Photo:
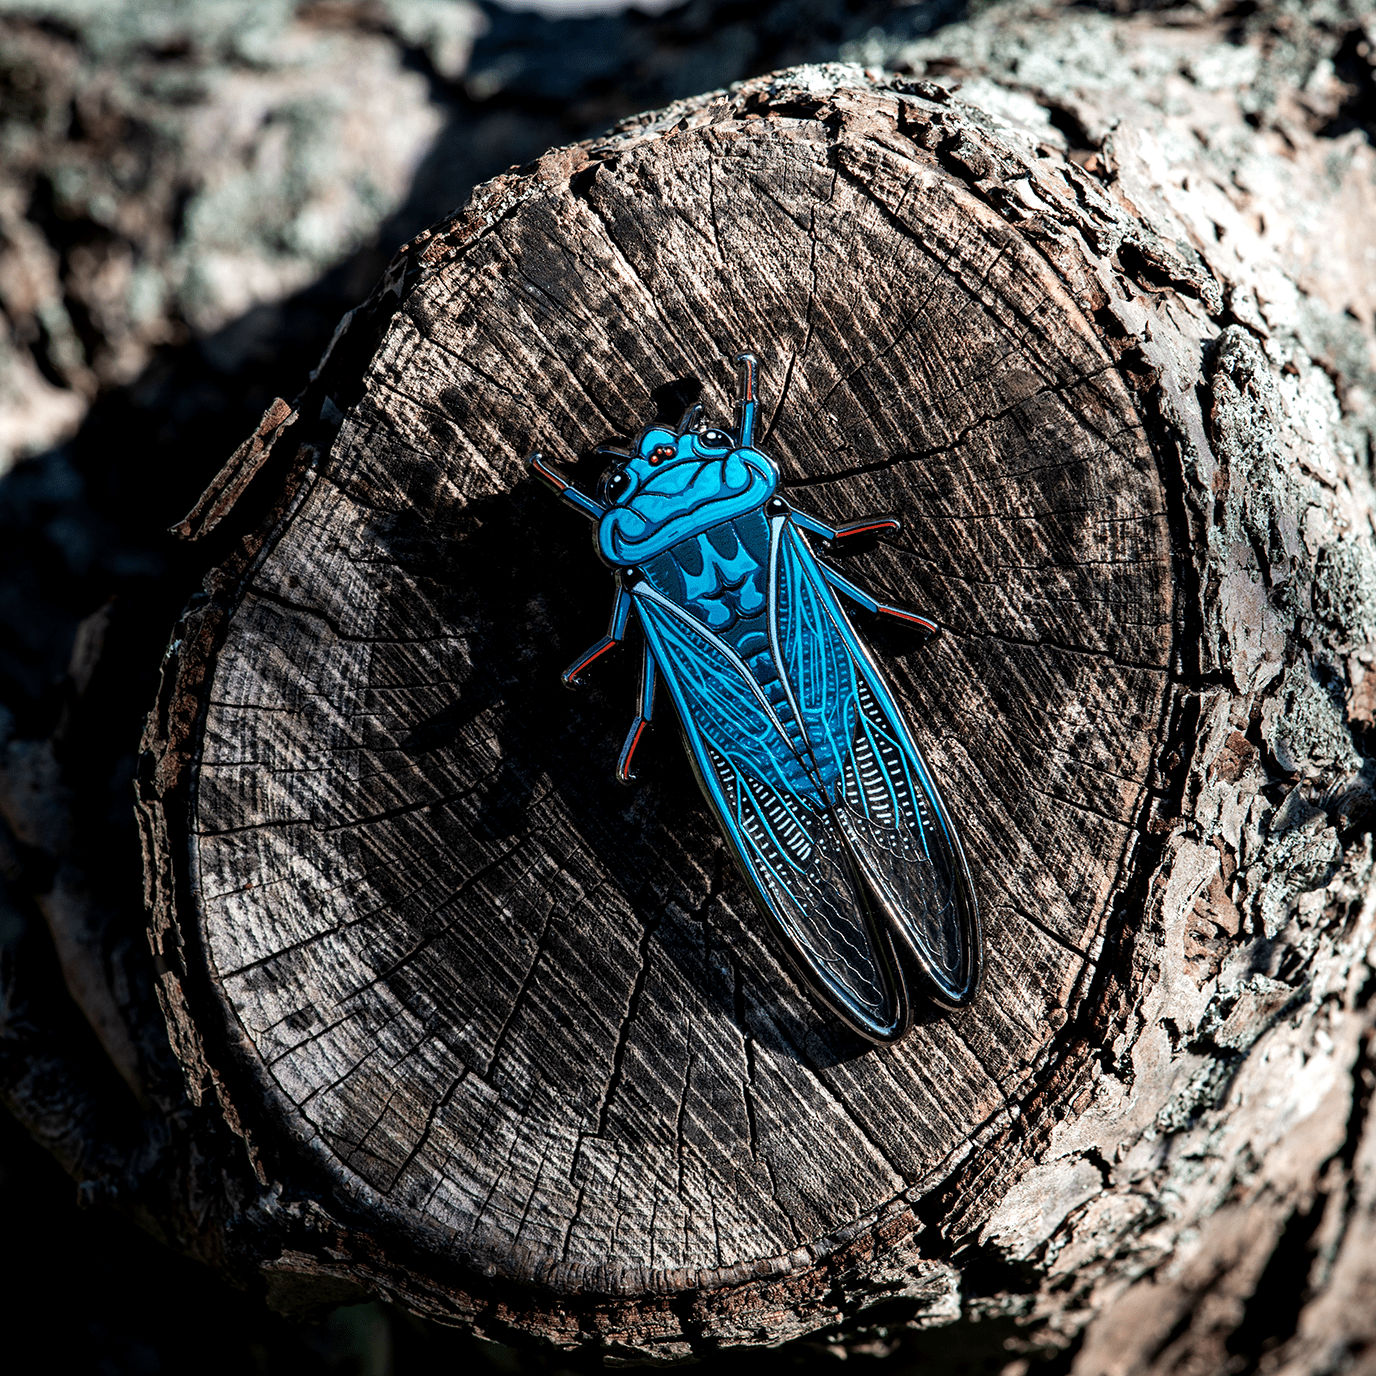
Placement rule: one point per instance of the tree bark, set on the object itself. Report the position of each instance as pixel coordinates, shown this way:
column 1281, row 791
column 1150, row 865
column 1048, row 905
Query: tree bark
column 510, row 1047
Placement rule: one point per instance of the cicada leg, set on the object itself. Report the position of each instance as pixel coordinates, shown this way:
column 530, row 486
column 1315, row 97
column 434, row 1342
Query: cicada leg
column 563, row 489
column 621, row 611
column 861, row 598
column 873, row 525
column 646, row 707
column 746, row 404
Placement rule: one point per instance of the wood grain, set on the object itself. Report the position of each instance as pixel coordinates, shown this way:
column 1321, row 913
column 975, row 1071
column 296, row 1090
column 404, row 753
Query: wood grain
column 388, row 881
column 529, row 1022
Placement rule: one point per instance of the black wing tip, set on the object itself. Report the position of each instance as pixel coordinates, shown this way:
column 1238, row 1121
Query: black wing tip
column 956, row 1000
column 884, row 1036
column 953, row 1004
column 920, row 988
column 852, row 1017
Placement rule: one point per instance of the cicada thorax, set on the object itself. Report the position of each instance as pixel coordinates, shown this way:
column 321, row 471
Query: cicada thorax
column 720, row 577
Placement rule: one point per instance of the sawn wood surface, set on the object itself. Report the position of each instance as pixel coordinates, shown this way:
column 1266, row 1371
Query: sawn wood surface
column 437, row 1015
column 530, row 1021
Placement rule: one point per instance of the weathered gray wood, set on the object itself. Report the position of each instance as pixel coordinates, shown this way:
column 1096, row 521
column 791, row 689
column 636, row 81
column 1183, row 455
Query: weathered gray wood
column 507, row 1043
column 518, row 1017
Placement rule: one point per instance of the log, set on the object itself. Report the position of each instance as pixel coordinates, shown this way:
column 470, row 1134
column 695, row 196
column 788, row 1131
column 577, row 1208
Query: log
column 527, row 1032
column 524, row 1024
column 509, row 1046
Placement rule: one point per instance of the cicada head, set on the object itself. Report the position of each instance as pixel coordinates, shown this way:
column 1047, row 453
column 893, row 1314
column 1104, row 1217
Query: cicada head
column 675, row 484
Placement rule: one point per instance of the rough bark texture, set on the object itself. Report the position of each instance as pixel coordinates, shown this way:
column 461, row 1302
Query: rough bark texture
column 529, row 1029
column 232, row 172
column 1113, row 364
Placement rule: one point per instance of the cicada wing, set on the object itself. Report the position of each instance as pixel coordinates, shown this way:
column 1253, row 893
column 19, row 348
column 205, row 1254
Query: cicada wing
column 886, row 802
column 778, row 823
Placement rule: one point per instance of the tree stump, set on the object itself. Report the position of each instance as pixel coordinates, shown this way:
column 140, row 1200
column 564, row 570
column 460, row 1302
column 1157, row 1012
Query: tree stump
column 509, row 1044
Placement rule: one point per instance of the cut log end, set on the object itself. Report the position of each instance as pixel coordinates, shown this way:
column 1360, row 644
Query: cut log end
column 521, row 1034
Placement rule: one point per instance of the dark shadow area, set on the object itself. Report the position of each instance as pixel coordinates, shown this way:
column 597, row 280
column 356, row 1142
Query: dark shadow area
column 673, row 398
column 524, row 549
column 98, row 1295
column 1354, row 66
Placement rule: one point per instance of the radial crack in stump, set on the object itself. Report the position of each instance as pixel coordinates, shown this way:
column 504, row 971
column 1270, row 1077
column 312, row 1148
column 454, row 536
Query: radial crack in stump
column 519, row 1033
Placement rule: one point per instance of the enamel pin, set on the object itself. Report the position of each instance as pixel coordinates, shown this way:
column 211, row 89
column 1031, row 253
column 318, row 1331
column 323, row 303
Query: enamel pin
column 794, row 735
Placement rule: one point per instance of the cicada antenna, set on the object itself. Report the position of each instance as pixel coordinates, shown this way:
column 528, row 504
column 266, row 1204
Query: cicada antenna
column 747, row 403
column 690, row 419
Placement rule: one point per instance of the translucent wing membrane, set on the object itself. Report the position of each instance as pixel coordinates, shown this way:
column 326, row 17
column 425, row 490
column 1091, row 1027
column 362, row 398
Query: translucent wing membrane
column 777, row 820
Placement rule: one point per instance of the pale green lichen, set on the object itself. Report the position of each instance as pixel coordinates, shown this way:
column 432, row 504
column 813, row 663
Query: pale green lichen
column 1343, row 595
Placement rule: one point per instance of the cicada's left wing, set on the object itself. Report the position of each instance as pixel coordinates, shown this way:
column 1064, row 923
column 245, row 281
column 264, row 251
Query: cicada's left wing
column 759, row 781
column 886, row 802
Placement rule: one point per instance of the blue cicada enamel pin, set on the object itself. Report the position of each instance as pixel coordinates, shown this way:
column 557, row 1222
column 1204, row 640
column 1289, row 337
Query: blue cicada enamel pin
column 800, row 748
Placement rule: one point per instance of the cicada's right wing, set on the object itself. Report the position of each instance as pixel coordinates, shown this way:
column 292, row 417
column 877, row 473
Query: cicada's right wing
column 779, row 826
column 887, row 805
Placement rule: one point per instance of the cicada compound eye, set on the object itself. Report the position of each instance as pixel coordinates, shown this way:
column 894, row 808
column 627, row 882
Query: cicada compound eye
column 616, row 484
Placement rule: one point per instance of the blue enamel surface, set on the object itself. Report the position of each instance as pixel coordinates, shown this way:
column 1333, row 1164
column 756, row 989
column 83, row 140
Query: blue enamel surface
column 671, row 499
